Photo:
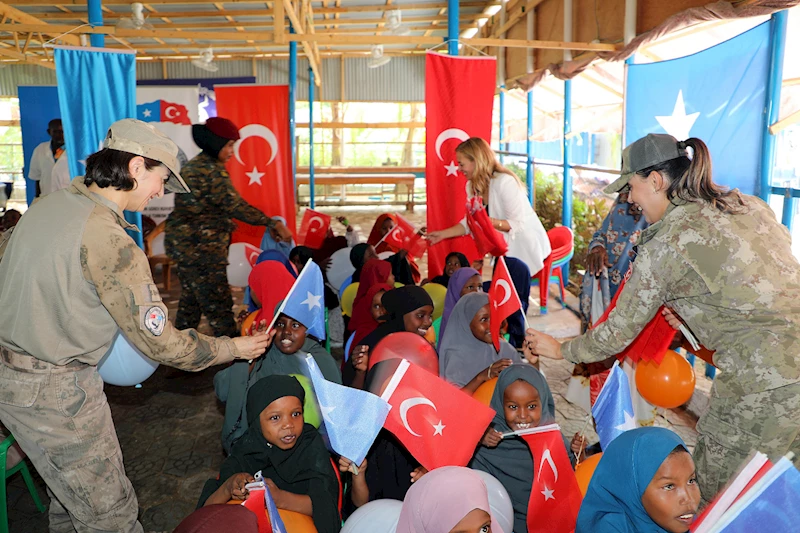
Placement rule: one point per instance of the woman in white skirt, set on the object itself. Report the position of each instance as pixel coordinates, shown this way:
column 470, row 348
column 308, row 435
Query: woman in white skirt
column 506, row 202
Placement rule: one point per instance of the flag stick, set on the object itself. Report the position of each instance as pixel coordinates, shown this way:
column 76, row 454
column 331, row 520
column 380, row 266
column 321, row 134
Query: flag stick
column 522, row 309
column 583, row 438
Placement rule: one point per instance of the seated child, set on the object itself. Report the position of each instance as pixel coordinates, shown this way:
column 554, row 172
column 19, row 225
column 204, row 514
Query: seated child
column 467, row 357
column 284, row 357
column 452, row 262
column 290, row 455
column 448, row 499
column 463, row 282
column 644, row 483
column 522, row 400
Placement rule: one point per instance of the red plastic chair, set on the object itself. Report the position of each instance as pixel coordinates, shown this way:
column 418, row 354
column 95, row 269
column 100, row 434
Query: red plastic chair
column 562, row 244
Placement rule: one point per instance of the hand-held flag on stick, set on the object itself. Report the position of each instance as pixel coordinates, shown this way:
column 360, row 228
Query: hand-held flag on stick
column 305, row 301
column 503, row 300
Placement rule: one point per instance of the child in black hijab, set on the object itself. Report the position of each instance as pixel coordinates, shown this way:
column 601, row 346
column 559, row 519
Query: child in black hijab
column 290, row 455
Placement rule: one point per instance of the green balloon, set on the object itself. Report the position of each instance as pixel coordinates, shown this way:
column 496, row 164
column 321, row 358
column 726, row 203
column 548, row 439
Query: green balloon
column 311, row 413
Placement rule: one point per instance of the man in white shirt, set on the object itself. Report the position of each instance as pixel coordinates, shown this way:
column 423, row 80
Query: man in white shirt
column 59, row 176
column 44, row 156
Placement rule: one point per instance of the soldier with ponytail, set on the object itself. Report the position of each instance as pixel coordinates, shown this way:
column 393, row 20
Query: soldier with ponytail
column 723, row 266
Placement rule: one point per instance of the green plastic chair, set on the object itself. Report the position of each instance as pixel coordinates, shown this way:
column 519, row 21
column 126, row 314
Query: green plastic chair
column 8, row 471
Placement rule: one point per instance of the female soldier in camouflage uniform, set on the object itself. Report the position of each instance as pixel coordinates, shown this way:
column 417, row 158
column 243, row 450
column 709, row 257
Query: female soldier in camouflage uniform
column 198, row 230
column 70, row 279
column 723, row 264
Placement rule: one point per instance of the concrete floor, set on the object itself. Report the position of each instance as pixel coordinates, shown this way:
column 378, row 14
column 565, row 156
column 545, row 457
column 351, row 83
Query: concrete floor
column 169, row 429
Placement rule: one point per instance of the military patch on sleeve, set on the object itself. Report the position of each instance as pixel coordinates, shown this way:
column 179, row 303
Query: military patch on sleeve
column 152, row 319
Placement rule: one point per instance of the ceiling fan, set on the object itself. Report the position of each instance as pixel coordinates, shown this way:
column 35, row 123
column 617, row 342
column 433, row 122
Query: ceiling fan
column 137, row 21
column 377, row 59
column 206, row 60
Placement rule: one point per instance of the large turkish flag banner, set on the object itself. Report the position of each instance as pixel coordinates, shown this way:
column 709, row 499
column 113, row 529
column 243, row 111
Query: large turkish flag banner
column 459, row 93
column 261, row 168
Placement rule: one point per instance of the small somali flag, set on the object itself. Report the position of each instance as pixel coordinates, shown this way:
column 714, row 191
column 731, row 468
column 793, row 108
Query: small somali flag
column 163, row 111
column 306, row 301
column 352, row 417
column 613, row 410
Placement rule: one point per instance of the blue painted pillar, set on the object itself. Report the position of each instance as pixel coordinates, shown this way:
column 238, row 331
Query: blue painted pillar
column 529, row 150
column 293, row 101
column 787, row 215
column 502, row 146
column 773, row 104
column 95, row 8
column 566, row 202
column 452, row 27
column 311, row 136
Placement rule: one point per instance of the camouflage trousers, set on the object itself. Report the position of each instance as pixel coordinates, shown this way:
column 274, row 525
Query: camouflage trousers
column 768, row 422
column 205, row 291
column 61, row 419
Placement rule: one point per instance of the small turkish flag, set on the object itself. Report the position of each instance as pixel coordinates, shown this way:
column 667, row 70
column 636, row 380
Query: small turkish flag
column 404, row 236
column 555, row 495
column 176, row 113
column 252, row 253
column 503, row 300
column 427, row 416
column 314, row 228
column 256, row 502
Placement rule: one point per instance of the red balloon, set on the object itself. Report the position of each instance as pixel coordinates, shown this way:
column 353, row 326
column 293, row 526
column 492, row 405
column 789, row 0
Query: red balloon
column 405, row 345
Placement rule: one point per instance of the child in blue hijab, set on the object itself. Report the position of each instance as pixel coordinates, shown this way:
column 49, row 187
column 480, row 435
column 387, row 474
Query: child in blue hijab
column 644, row 483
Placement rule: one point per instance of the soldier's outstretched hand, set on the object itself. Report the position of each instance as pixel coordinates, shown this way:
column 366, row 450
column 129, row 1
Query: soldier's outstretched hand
column 253, row 346
column 542, row 344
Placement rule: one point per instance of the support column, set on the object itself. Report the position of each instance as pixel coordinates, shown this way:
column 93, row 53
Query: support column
column 502, row 134
column 566, row 202
column 773, row 103
column 529, row 150
column 311, row 137
column 95, row 9
column 292, row 102
column 452, row 27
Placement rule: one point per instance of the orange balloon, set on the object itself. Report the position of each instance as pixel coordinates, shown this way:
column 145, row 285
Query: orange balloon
column 248, row 322
column 484, row 393
column 430, row 335
column 296, row 522
column 669, row 384
column 585, row 470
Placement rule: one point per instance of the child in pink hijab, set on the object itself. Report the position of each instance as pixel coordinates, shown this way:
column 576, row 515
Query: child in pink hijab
column 430, row 505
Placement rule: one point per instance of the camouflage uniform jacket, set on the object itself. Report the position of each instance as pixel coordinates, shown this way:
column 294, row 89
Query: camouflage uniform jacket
column 731, row 278
column 70, row 278
column 199, row 228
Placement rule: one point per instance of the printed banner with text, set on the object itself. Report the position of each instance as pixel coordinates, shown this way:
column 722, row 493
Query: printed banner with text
column 261, row 167
column 459, row 94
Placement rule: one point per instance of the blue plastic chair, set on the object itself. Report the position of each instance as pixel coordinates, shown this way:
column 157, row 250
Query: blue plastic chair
column 20, row 467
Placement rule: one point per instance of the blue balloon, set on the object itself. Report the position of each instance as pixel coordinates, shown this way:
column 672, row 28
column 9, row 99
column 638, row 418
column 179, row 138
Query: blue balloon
column 124, row 365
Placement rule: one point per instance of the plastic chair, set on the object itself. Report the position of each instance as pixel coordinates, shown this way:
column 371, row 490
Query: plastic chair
column 12, row 460
column 563, row 247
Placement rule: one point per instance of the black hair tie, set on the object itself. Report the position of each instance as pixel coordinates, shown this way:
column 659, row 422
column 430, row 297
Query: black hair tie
column 682, row 145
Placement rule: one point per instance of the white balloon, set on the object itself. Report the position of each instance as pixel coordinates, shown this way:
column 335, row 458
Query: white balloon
column 124, row 365
column 238, row 265
column 499, row 501
column 379, row 516
column 340, row 268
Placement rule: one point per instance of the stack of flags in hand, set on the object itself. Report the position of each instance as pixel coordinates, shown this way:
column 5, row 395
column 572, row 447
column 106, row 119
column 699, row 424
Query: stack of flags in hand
column 761, row 497
column 259, row 500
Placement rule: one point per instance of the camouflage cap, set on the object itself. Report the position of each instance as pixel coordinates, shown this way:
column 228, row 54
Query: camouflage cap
column 137, row 137
column 650, row 150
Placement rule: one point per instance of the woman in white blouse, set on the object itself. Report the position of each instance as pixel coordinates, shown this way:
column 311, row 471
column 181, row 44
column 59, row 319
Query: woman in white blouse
column 507, row 203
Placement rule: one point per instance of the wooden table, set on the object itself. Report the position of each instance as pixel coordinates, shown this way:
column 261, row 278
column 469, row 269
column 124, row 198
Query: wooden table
column 343, row 180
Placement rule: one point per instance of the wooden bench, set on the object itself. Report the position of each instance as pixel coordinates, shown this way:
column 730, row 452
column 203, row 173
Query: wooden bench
column 357, row 181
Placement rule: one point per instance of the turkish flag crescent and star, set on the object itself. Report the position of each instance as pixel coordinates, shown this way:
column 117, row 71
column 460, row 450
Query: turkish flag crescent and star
column 404, row 236
column 503, row 300
column 313, row 229
column 427, row 416
column 459, row 94
column 555, row 496
column 261, row 166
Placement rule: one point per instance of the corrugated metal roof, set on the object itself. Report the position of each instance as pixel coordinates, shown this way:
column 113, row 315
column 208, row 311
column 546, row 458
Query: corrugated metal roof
column 401, row 80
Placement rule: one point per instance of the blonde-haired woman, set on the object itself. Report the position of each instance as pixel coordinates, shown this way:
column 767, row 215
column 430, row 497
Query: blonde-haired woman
column 506, row 202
